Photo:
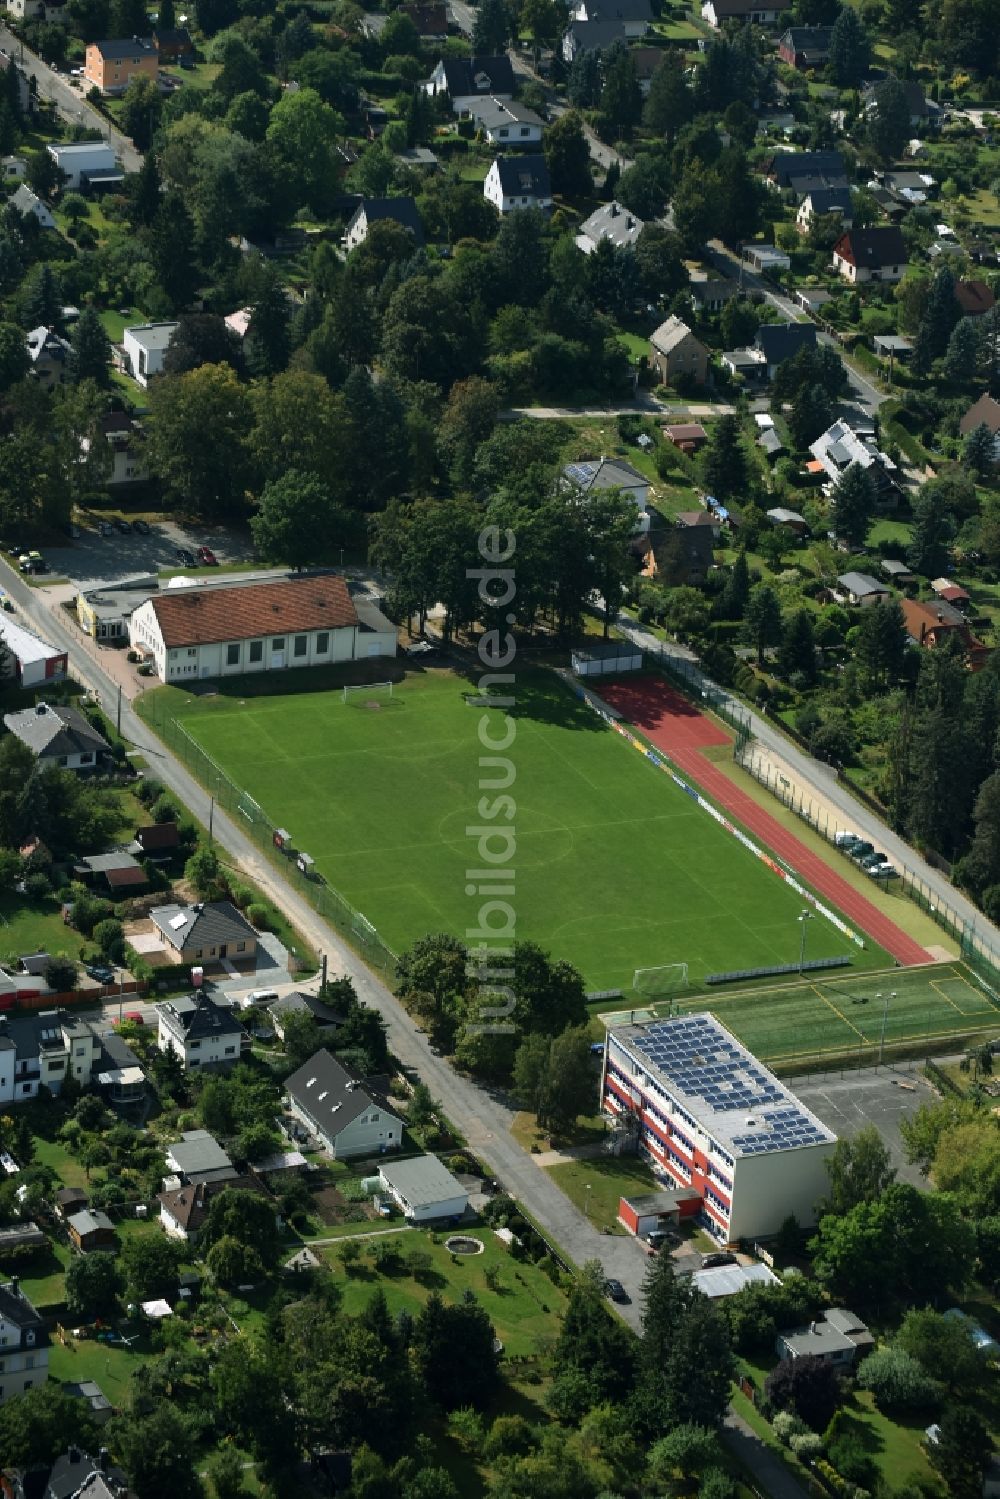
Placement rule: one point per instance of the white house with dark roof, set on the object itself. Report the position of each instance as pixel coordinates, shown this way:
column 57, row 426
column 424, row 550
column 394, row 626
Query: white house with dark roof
column 611, row 221
column 466, row 80
column 25, row 201
column 58, row 734
column 401, row 210
column 84, row 161
column 516, row 182
column 346, row 1115
column 200, row 1033
column 49, row 356
column 144, row 348
column 861, row 589
column 423, row 1189
column 708, row 1116
column 508, row 124
column 24, row 1343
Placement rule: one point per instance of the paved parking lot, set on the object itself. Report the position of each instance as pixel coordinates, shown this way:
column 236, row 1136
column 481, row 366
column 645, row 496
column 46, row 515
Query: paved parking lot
column 846, row 1103
column 106, row 559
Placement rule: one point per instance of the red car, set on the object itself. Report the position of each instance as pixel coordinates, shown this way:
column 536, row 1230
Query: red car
column 207, row 557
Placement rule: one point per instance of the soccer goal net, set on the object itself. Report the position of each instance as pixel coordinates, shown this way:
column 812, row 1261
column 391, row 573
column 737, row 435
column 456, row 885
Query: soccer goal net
column 661, row 982
column 368, row 694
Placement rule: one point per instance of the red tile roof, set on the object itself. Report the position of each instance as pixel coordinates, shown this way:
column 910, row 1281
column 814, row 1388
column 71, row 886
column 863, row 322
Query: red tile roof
column 204, row 616
column 974, row 297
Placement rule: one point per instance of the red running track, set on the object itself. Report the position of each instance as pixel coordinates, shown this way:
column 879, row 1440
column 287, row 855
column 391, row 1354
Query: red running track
column 673, row 724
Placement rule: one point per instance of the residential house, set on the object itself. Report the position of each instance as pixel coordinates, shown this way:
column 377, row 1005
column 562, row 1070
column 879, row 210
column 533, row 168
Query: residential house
column 208, row 933
column 846, row 443
column 423, row 1189
column 816, row 182
column 709, row 518
column 837, row 1337
column 125, row 438
column 712, row 293
column 823, row 201
column 920, row 107
column 401, row 210
column 326, row 1021
column 14, row 168
column 676, row 555
column 22, row 1236
column 39, row 1049
column 589, row 474
column 230, row 629
column 983, row 413
column 508, row 124
column 931, row 624
column 200, row 1033
column 675, row 351
column 25, row 201
column 121, row 1075
column 172, row 43
column 777, row 342
column 183, row 1210
column 516, row 182
column 24, row 1343
column 747, row 364
column 862, row 590
column 897, row 572
column 347, row 1116
column 58, row 735
column 592, row 36
column 689, row 437
column 635, row 15
column 611, row 221
column 952, row 593
column 418, row 159
column 746, row 12
column 771, row 443
column 82, row 163
column 199, row 1160
column 91, row 1229
column 111, row 65
column 785, row 166
column 912, row 189
column 430, row 17
column 805, row 46
column 974, row 297
column 76, row 1475
column 780, row 515
column 30, row 660
column 466, row 79
column 144, row 348
column 877, row 254
column 708, row 1116
column 38, row 10
column 119, row 872
column 49, row 356
column 646, row 60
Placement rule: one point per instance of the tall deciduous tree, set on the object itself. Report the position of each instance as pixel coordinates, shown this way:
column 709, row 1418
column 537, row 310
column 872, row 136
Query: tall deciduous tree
column 860, row 1170
column 197, row 440
column 296, row 522
column 567, row 152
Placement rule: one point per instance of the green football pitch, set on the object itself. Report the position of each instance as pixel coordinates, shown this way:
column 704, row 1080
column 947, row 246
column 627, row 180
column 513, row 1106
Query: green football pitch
column 842, row 1016
column 615, row 867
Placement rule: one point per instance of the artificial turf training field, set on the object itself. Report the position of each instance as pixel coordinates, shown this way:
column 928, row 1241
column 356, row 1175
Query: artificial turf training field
column 616, row 869
column 843, row 1014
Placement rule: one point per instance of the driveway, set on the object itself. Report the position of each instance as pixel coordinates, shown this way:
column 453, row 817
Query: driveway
column 73, row 109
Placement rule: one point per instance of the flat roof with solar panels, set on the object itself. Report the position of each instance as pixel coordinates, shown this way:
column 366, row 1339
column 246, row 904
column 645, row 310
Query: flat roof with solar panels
column 724, row 1089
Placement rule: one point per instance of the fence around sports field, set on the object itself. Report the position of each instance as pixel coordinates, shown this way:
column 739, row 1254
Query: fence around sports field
column 260, row 828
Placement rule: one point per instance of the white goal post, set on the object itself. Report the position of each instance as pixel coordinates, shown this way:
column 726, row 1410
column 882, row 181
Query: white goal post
column 658, row 983
column 368, row 689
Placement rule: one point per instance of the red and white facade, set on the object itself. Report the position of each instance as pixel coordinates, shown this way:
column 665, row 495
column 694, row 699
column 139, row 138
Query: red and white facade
column 708, row 1116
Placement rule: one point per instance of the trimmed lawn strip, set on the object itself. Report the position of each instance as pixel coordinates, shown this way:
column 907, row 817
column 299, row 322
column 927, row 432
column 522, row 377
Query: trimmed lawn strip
column 608, row 1178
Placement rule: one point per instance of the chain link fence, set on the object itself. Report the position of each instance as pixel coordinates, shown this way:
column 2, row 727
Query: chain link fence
column 260, row 828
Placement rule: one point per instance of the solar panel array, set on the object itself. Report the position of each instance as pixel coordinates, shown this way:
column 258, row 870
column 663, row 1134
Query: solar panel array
column 706, row 1065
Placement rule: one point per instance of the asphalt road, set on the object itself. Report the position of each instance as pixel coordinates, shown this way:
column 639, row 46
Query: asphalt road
column 70, row 104
column 822, row 779
column 865, row 392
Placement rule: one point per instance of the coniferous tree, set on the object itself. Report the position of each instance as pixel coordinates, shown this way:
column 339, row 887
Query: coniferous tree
column 849, row 49
column 724, row 466
column 762, row 620
column 669, row 104
column 798, row 645
column 853, row 504
column 91, row 349
column 268, row 334
column 978, row 451
column 735, row 595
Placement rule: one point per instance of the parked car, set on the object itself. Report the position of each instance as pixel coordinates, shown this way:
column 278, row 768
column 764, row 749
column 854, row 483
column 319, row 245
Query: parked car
column 142, row 527
column 207, row 557
column 615, row 1290
column 31, row 562
column 884, row 871
column 845, row 839
column 124, row 527
column 135, row 1017
column 861, row 851
column 105, row 528
column 101, row 973
column 870, row 860
column 421, row 648
column 186, row 558
column 713, row 1261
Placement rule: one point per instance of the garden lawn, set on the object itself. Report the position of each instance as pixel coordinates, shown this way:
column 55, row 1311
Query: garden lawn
column 43, row 1277
column 609, row 1178
column 34, row 927
column 525, row 1310
column 85, row 1358
column 616, row 867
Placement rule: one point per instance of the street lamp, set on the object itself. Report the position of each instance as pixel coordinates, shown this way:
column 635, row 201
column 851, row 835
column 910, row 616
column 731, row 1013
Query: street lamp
column 885, row 1016
column 804, row 918
column 587, row 1199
